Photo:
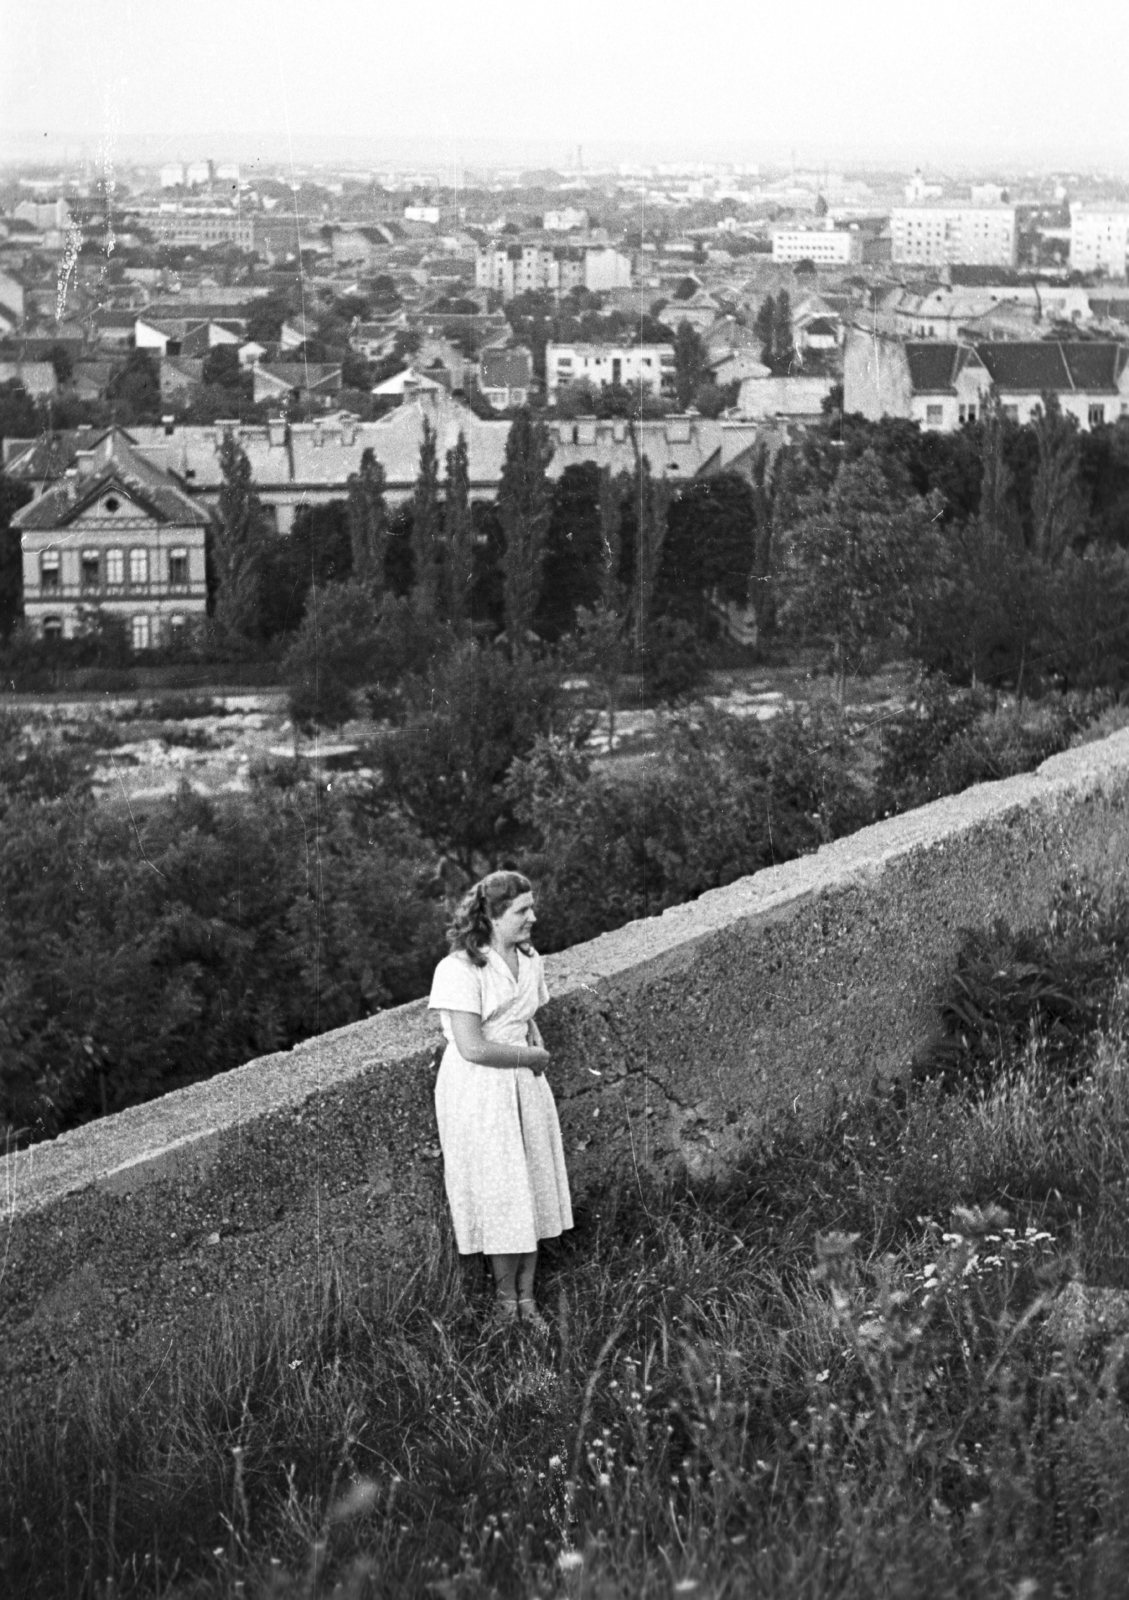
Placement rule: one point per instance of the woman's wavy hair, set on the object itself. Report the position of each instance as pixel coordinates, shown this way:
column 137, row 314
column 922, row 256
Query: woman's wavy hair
column 470, row 928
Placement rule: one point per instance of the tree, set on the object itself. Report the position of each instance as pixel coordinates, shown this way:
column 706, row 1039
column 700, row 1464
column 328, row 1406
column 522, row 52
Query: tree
column 650, row 498
column 783, row 353
column 524, row 509
column 459, row 536
column 221, row 368
column 605, row 650
column 689, row 364
column 338, row 649
column 60, row 358
column 238, row 544
column 997, row 507
column 1056, row 500
column 368, row 531
column 763, row 327
column 135, row 388
column 425, row 527
column 12, row 497
column 854, row 563
column 709, row 550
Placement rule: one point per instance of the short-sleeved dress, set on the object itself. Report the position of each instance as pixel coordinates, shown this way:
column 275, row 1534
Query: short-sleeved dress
column 503, row 1160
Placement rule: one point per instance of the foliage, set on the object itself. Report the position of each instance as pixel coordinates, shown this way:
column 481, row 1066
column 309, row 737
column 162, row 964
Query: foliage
column 338, row 649
column 458, row 533
column 1056, row 501
column 466, row 719
column 773, row 327
column 12, row 497
column 856, row 562
column 425, row 528
column 222, row 368
column 524, row 510
column 722, row 797
column 709, row 547
column 140, row 953
column 238, row 541
column 689, row 363
column 367, row 517
column 134, row 390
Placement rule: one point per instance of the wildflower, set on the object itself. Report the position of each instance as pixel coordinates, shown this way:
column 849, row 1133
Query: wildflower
column 555, row 1463
column 686, row 1585
column 570, row 1560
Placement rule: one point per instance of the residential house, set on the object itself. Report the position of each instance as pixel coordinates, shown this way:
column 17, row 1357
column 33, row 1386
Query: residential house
column 513, row 266
column 505, row 375
column 296, row 380
column 649, row 366
column 798, row 398
column 410, row 383
column 116, row 534
column 37, row 378
column 701, row 310
column 179, row 376
column 942, row 384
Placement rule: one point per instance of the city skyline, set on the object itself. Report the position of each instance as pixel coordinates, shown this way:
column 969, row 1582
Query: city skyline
column 499, row 85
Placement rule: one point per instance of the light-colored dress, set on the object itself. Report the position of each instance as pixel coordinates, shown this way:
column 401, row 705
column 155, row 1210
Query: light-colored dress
column 503, row 1161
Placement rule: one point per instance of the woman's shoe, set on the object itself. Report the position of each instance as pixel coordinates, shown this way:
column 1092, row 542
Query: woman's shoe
column 504, row 1314
column 533, row 1318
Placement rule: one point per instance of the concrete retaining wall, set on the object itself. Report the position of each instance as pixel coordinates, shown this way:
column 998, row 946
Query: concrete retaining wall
column 673, row 1039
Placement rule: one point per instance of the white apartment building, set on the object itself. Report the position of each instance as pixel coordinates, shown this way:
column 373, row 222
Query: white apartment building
column 514, row 266
column 649, row 366
column 824, row 247
column 1099, row 239
column 570, row 219
column 978, row 236
column 429, row 214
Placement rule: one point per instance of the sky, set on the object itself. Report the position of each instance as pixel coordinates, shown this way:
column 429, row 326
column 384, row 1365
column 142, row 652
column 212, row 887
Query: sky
column 971, row 81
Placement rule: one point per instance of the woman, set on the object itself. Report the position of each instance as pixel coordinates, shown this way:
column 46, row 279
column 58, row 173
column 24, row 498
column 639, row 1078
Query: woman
column 503, row 1161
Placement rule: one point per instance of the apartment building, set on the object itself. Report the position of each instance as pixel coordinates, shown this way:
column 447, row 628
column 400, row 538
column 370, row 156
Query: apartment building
column 115, row 534
column 203, row 228
column 936, row 235
column 648, row 366
column 512, row 267
column 1099, row 239
column 824, row 247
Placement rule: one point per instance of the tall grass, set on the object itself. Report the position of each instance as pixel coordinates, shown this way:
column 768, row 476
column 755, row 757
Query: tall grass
column 838, row 1374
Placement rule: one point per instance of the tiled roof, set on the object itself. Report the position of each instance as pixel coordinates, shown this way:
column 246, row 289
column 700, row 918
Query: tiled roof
column 510, row 367
column 933, row 365
column 116, row 461
column 1034, row 367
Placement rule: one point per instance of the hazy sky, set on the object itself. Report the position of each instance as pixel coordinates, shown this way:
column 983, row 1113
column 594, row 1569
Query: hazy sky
column 1025, row 82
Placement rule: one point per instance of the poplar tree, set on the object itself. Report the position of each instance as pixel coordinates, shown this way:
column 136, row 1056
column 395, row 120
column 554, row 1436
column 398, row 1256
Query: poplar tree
column 1056, row 502
column 368, row 527
column 524, row 510
column 238, row 544
column 459, row 536
column 425, row 526
column 652, row 506
column 997, row 509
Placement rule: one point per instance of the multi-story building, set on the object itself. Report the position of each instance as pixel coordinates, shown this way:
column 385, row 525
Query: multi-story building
column 936, row 235
column 115, row 534
column 824, row 247
column 942, row 384
column 647, row 366
column 310, row 463
column 569, row 219
column 1099, row 239
column 203, row 227
column 514, row 266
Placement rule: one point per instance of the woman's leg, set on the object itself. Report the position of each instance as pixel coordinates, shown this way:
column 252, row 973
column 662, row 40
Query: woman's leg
column 506, row 1269
column 527, row 1267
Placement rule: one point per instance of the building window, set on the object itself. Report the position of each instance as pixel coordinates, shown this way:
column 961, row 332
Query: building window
column 139, row 632
column 1097, row 415
column 138, row 567
column 114, row 568
column 935, row 416
column 1011, row 413
column 176, row 626
column 178, row 567
column 52, row 627
column 90, row 569
column 49, row 571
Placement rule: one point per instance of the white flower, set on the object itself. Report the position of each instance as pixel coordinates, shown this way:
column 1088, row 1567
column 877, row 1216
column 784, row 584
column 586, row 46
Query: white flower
column 570, row 1560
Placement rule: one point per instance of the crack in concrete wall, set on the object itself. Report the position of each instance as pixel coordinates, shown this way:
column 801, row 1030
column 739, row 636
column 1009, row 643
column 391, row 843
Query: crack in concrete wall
column 674, row 1039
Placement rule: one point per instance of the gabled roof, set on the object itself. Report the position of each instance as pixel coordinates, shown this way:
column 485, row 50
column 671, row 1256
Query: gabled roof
column 1036, row 367
column 119, row 463
column 506, row 367
column 934, row 364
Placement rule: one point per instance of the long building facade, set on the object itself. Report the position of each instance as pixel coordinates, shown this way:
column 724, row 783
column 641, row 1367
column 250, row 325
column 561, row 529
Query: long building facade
column 938, row 235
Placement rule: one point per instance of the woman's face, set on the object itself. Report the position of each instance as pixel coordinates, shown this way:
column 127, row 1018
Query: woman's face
column 515, row 924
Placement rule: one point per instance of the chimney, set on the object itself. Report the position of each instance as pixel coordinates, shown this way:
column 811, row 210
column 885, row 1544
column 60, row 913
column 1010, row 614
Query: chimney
column 276, row 432
column 168, row 423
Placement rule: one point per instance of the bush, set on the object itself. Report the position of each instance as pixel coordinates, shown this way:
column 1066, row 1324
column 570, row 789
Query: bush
column 141, row 953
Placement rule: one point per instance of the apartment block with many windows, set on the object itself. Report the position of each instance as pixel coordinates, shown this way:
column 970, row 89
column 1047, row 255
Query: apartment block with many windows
column 115, row 535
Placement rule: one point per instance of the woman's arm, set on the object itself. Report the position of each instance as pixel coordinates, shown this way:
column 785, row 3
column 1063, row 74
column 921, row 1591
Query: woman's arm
column 473, row 1045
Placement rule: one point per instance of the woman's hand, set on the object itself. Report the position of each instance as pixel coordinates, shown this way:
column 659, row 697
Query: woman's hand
column 535, row 1058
